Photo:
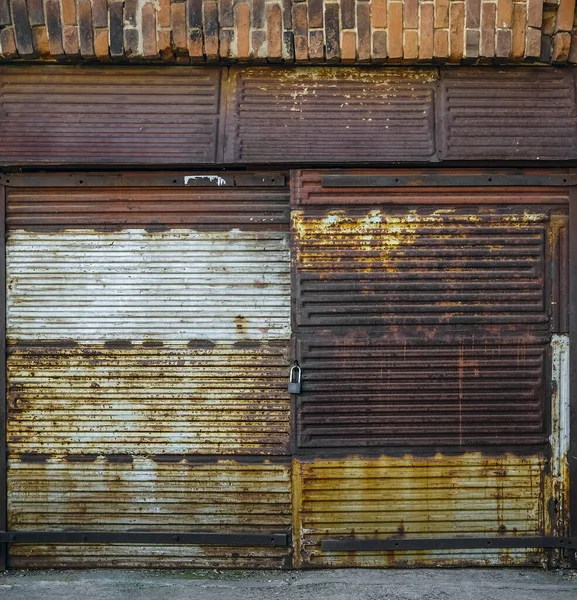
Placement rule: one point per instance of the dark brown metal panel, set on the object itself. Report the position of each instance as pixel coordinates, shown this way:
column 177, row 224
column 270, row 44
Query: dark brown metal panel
column 220, row 207
column 510, row 114
column 74, row 115
column 330, row 115
column 572, row 454
column 3, row 411
column 410, row 389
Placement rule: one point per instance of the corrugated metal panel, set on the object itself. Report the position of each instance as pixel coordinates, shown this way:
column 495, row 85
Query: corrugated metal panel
column 522, row 114
column 146, row 326
column 83, row 115
column 400, row 391
column 228, row 496
column 437, row 496
column 329, row 115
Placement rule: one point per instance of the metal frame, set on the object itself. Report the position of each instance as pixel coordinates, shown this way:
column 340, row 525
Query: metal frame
column 358, row 545
column 572, row 455
column 451, row 179
column 144, row 537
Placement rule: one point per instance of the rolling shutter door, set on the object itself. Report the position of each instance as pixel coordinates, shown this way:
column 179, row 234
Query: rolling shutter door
column 425, row 321
column 148, row 331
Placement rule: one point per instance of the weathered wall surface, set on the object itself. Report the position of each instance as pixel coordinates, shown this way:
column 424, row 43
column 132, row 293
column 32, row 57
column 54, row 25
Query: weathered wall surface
column 309, row 31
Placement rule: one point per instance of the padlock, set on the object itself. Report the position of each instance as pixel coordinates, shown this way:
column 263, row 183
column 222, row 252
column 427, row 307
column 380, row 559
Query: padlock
column 294, row 386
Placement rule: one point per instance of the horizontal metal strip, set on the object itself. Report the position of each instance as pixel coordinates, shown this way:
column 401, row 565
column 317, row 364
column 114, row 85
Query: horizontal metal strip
column 449, row 180
column 171, row 179
column 138, row 537
column 363, row 545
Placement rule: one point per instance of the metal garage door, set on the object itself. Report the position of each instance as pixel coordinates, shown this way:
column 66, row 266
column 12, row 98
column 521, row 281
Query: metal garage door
column 148, row 326
column 431, row 326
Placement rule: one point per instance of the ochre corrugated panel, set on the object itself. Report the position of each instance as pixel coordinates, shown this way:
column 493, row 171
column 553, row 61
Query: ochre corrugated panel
column 507, row 114
column 401, row 390
column 149, row 399
column 425, row 265
column 185, row 495
column 439, row 496
column 330, row 115
column 72, row 115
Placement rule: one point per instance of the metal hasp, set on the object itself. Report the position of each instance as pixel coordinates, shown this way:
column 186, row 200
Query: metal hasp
column 295, row 377
column 356, row 545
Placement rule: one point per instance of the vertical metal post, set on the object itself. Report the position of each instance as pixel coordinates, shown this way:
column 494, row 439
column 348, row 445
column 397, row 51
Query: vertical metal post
column 3, row 408
column 572, row 454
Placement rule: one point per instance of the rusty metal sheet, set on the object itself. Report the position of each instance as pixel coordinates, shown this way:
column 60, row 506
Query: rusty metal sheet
column 330, row 115
column 86, row 116
column 409, row 497
column 510, row 114
column 149, row 495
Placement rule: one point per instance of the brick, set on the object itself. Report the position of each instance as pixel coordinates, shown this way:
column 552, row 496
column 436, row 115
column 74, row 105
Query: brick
column 194, row 13
column 116, row 30
column 242, row 11
column 274, row 31
column 379, row 45
column 101, row 44
column 519, row 27
column 195, row 50
column 130, row 10
column 411, row 14
column 317, row 45
column 395, row 31
column 5, row 18
column 473, row 14
column 504, row 43
column 347, row 14
column 287, row 16
column 546, row 48
column 259, row 45
column 40, row 41
column 533, row 43
column 8, row 43
column 85, row 31
column 164, row 45
column 456, row 40
column 178, row 20
column 441, row 43
column 348, row 47
column 258, row 14
column 35, row 12
column 288, row 45
column 565, row 18
column 70, row 40
column 488, row 17
column 378, row 14
column 472, row 42
column 549, row 23
column 505, row 14
column 426, row 33
column 534, row 13
column 226, row 40
column 54, row 28
column 315, row 14
column 411, row 44
column 561, row 47
column 163, row 14
column 22, row 29
column 226, row 13
column 149, row 44
column 131, row 42
column 332, row 30
column 300, row 29
column 364, row 31
column 100, row 13
column 210, row 25
column 441, row 14
column 573, row 49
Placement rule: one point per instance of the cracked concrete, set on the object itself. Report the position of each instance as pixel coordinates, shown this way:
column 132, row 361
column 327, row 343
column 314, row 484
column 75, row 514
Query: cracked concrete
column 354, row 584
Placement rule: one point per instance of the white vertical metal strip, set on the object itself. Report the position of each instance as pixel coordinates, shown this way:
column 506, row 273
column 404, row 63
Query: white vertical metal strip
column 560, row 405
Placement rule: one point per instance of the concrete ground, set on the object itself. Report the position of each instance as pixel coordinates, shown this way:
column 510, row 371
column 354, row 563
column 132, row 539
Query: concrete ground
column 425, row 584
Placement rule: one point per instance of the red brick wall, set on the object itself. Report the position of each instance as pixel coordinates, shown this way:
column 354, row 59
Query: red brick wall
column 309, row 31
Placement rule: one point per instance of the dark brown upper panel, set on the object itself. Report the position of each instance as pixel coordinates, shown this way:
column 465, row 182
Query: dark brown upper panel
column 517, row 114
column 330, row 115
column 74, row 115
